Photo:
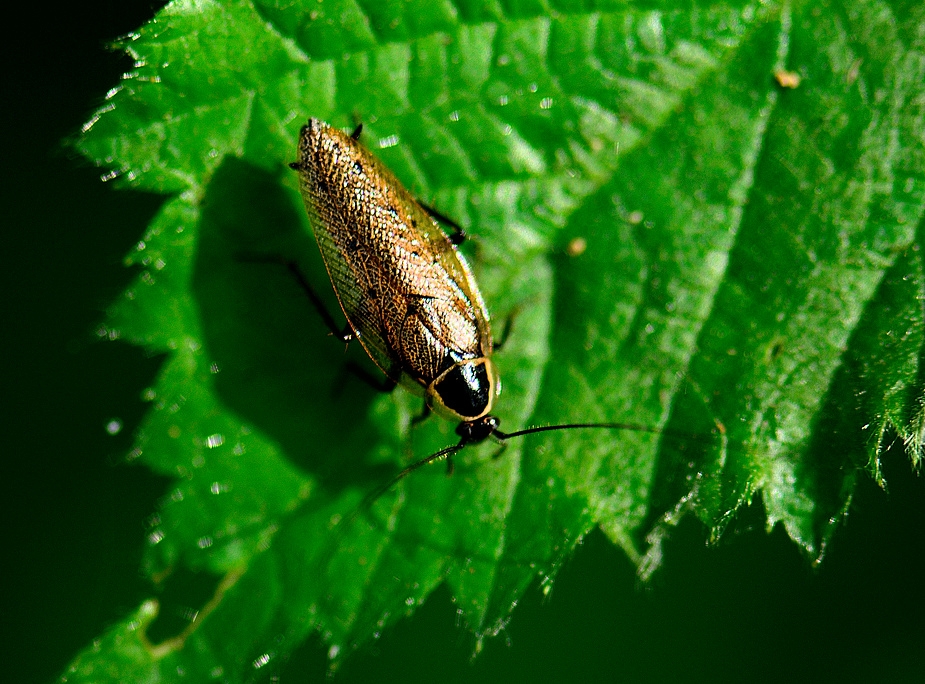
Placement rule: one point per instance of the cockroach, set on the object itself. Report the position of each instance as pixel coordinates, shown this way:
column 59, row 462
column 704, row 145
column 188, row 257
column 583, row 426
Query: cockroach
column 407, row 293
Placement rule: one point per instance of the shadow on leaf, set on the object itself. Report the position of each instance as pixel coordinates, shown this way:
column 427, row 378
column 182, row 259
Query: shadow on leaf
column 279, row 369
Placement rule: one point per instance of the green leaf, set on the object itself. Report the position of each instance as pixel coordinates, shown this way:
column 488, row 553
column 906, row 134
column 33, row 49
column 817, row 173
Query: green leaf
column 682, row 243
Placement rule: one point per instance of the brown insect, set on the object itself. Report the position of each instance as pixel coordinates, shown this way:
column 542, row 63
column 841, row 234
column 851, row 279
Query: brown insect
column 407, row 292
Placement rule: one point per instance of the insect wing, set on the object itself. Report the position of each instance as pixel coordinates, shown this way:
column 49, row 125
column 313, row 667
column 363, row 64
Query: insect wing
column 402, row 285
column 456, row 273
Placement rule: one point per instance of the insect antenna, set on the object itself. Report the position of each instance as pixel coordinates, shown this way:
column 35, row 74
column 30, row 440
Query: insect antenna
column 503, row 436
column 631, row 427
column 498, row 435
column 447, row 452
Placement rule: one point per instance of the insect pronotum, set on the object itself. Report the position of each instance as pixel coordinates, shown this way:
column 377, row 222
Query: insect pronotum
column 407, row 292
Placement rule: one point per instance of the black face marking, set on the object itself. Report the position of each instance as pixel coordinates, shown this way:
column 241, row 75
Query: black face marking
column 465, row 389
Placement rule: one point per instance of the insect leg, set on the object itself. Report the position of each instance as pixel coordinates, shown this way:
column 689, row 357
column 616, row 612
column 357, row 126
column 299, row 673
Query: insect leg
column 458, row 236
column 344, row 334
column 385, row 384
column 505, row 331
column 502, row 446
column 423, row 415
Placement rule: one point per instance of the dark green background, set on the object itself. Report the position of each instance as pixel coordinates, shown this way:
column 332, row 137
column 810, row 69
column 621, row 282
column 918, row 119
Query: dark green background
column 751, row 608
